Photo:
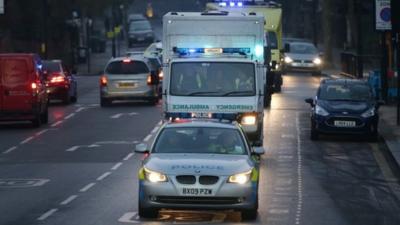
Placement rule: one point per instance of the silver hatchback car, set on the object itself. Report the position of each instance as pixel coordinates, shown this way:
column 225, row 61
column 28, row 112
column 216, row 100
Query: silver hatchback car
column 199, row 164
column 129, row 78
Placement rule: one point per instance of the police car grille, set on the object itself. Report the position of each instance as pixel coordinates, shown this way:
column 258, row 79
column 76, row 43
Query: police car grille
column 197, row 200
column 186, row 179
column 208, row 180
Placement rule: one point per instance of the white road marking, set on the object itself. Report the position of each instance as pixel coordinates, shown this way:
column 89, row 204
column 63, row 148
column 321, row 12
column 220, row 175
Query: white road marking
column 10, row 149
column 26, row 140
column 69, row 199
column 116, row 116
column 133, row 114
column 116, row 166
column 69, row 116
column 287, row 136
column 129, row 218
column 80, row 109
column 147, row 138
column 299, row 172
column 278, row 211
column 128, row 156
column 106, row 174
column 72, row 149
column 56, row 123
column 93, row 146
column 155, row 129
column 160, row 123
column 42, row 132
column 47, row 214
column 87, row 187
column 94, row 105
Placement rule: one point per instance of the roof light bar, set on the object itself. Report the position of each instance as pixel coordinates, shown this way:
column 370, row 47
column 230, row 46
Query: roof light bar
column 186, row 51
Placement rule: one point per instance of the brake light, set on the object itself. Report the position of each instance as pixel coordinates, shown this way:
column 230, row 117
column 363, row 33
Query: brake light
column 149, row 80
column 126, row 60
column 103, row 81
column 34, row 86
column 161, row 75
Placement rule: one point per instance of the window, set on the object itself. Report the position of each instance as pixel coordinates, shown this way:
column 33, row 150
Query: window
column 272, row 40
column 212, row 79
column 205, row 140
column 303, row 48
column 132, row 67
column 353, row 92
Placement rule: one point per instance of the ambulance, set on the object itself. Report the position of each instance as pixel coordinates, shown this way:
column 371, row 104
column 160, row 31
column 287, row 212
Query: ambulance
column 213, row 64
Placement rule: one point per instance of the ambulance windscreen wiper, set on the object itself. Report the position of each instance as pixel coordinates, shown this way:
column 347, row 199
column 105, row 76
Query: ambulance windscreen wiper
column 238, row 93
column 202, row 93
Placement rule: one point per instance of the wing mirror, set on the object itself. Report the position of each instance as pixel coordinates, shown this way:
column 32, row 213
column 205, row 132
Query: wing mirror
column 309, row 101
column 287, row 47
column 258, row 150
column 141, row 148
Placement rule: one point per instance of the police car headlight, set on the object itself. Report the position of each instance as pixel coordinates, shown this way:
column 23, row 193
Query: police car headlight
column 288, row 59
column 154, row 176
column 369, row 113
column 249, row 120
column 317, row 61
column 240, row 178
column 320, row 111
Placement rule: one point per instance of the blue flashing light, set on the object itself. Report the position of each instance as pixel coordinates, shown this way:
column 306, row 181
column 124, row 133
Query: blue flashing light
column 222, row 4
column 240, row 4
column 187, row 51
column 231, row 4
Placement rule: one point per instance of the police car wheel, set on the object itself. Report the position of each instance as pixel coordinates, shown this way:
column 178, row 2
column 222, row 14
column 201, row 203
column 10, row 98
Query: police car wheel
column 147, row 212
column 249, row 214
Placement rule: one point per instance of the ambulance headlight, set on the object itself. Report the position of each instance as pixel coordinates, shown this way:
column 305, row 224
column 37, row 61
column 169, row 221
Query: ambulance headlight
column 249, row 120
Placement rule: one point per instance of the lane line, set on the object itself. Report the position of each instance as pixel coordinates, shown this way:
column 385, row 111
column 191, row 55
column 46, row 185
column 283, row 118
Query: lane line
column 10, row 149
column 147, row 138
column 159, row 123
column 128, row 156
column 106, row 174
column 116, row 166
column 56, row 123
column 72, row 149
column 47, row 214
column 69, row 116
column 155, row 129
column 80, row 109
column 42, row 132
column 87, row 187
column 69, row 199
column 116, row 116
column 299, row 172
column 27, row 140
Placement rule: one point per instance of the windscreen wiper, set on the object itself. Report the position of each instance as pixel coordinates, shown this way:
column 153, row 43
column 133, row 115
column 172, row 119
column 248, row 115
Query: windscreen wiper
column 237, row 92
column 202, row 93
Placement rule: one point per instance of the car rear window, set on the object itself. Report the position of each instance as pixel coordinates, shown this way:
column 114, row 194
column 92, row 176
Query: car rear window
column 51, row 66
column 132, row 67
column 15, row 71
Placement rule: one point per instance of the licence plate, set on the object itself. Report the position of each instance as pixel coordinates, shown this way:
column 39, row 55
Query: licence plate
column 341, row 123
column 126, row 85
column 196, row 191
column 140, row 39
column 201, row 115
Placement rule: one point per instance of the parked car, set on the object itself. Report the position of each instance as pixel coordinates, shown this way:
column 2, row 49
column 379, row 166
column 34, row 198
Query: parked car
column 60, row 82
column 199, row 164
column 23, row 95
column 302, row 56
column 344, row 106
column 140, row 32
column 135, row 17
column 129, row 78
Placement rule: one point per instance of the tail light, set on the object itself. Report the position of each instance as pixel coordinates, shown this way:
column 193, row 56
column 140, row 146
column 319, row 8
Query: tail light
column 149, row 80
column 103, row 81
column 57, row 79
column 34, row 86
column 160, row 75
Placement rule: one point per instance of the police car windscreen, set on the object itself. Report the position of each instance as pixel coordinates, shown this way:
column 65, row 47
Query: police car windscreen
column 207, row 140
column 212, row 79
column 131, row 67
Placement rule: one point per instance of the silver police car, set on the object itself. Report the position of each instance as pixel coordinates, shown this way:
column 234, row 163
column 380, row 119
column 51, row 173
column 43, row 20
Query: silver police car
column 199, row 164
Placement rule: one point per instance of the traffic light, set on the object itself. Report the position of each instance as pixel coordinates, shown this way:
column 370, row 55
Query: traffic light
column 395, row 8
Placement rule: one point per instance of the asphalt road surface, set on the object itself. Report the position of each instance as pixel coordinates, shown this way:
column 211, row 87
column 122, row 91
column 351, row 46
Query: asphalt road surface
column 81, row 169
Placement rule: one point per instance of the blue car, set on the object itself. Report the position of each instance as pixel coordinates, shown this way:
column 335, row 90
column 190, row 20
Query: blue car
column 344, row 106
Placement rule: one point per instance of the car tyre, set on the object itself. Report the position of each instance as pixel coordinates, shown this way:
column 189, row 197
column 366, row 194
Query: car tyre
column 147, row 212
column 373, row 135
column 249, row 214
column 66, row 99
column 316, row 73
column 154, row 101
column 267, row 101
column 45, row 116
column 314, row 135
column 36, row 122
column 104, row 102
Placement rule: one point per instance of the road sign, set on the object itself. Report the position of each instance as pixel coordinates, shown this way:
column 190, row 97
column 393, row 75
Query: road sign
column 382, row 15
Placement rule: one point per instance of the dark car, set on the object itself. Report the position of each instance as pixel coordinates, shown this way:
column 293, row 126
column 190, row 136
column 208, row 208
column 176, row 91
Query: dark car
column 60, row 82
column 344, row 106
column 140, row 32
column 22, row 89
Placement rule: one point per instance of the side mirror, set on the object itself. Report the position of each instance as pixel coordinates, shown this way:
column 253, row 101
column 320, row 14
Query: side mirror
column 141, row 148
column 309, row 101
column 267, row 55
column 258, row 150
column 287, row 47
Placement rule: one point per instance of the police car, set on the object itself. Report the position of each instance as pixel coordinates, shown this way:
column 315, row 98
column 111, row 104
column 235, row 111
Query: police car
column 199, row 164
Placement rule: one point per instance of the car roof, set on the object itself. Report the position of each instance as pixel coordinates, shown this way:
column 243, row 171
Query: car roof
column 343, row 81
column 201, row 123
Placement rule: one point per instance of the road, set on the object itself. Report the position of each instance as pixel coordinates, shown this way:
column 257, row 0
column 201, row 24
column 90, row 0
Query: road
column 81, row 169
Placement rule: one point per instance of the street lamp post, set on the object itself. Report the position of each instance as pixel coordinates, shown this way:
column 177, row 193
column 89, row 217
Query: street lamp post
column 89, row 23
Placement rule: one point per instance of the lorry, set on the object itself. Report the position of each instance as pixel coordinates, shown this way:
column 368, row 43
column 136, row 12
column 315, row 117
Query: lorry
column 272, row 12
column 213, row 64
